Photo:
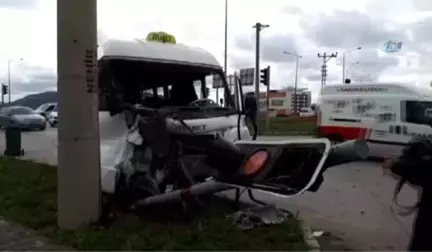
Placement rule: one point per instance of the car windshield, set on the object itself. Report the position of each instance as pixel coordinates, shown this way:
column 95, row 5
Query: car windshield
column 21, row 111
column 161, row 85
column 180, row 94
column 42, row 107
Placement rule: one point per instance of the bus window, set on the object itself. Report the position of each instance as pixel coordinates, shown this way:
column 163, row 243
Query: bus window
column 398, row 130
column 404, row 130
column 391, row 129
column 419, row 112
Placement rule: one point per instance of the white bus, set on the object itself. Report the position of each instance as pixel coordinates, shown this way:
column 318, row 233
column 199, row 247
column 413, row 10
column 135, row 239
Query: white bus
column 394, row 113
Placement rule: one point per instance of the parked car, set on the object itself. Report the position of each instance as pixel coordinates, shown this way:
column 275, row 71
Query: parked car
column 52, row 118
column 21, row 117
column 46, row 108
column 306, row 112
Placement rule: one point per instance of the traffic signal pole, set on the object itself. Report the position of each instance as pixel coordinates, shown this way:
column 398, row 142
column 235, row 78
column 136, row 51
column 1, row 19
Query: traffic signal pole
column 258, row 27
column 79, row 194
column 257, row 62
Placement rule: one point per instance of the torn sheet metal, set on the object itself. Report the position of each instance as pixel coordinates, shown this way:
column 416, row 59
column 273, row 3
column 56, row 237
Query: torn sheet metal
column 259, row 216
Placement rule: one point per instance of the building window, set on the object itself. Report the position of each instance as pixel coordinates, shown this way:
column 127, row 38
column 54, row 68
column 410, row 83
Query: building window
column 277, row 103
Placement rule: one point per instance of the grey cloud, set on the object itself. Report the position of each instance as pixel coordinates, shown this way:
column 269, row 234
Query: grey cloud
column 371, row 65
column 346, row 29
column 310, row 61
column 422, row 5
column 421, row 33
column 314, row 75
column 18, row 4
column 37, row 79
column 272, row 46
column 292, row 10
column 240, row 62
column 363, row 75
column 37, row 84
column 365, row 65
column 341, row 31
column 32, row 70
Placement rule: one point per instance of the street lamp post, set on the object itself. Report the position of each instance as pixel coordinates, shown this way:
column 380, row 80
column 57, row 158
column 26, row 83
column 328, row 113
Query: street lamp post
column 9, row 79
column 349, row 68
column 296, row 78
column 343, row 61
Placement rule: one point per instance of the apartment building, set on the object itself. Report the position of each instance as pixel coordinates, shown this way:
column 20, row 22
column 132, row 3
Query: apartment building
column 284, row 102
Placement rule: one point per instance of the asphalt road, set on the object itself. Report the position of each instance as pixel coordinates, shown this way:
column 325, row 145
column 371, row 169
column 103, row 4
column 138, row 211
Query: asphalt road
column 353, row 204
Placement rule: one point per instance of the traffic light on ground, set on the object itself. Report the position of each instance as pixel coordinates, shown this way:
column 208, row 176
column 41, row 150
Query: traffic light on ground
column 5, row 89
column 265, row 76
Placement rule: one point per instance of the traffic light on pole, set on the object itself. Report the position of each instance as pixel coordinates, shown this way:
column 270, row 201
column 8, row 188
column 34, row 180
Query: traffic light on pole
column 5, row 89
column 265, row 76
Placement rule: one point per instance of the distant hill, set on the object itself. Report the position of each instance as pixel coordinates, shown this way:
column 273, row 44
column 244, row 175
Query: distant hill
column 35, row 100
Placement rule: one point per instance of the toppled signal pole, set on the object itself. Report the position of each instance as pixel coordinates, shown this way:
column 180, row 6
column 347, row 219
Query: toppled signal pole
column 326, row 57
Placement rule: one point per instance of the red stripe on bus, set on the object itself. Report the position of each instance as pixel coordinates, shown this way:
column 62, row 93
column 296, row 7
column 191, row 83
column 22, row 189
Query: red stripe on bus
column 347, row 133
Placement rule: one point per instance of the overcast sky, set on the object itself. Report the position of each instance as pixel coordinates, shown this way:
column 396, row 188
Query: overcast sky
column 304, row 27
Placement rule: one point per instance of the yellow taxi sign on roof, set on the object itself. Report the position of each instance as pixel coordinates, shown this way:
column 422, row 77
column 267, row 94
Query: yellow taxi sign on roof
column 161, row 37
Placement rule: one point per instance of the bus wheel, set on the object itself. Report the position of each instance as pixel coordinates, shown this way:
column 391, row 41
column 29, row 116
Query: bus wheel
column 335, row 139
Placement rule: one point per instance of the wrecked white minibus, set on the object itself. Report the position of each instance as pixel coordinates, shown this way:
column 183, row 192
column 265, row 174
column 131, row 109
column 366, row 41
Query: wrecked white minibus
column 161, row 141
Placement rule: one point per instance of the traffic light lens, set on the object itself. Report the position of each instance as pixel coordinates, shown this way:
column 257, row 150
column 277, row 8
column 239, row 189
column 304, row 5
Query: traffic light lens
column 255, row 162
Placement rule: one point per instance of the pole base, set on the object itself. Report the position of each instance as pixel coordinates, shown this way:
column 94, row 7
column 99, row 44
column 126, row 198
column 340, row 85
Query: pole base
column 14, row 153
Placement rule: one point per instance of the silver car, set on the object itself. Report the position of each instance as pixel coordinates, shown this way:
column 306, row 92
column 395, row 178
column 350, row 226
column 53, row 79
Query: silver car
column 46, row 108
column 21, row 117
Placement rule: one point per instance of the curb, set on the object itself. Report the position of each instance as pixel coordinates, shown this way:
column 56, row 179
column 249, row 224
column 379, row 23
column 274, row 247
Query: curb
column 309, row 237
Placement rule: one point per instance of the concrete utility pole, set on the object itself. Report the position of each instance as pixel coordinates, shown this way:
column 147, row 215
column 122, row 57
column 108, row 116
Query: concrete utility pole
column 296, row 79
column 79, row 193
column 343, row 62
column 258, row 27
column 326, row 59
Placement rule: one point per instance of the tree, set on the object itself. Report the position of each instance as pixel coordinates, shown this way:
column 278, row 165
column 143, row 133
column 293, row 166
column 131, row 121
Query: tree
column 313, row 107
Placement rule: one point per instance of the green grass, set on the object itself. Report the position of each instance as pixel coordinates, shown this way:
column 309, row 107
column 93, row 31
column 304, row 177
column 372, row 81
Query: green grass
column 286, row 126
column 28, row 197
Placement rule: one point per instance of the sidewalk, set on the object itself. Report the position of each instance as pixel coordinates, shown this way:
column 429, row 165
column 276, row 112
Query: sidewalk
column 16, row 238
